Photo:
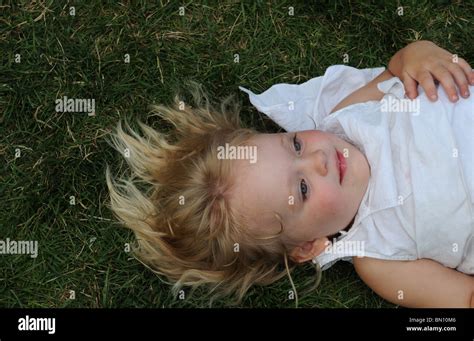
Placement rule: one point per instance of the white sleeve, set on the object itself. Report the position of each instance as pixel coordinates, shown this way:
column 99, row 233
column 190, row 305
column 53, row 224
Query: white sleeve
column 303, row 106
column 392, row 86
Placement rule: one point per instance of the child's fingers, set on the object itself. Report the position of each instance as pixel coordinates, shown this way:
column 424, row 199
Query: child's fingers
column 467, row 69
column 410, row 86
column 446, row 79
column 427, row 83
column 460, row 78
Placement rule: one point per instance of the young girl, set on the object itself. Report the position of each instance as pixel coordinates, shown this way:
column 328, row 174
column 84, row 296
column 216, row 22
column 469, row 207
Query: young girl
column 378, row 177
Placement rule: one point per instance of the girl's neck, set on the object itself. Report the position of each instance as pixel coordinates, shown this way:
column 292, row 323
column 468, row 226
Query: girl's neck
column 338, row 234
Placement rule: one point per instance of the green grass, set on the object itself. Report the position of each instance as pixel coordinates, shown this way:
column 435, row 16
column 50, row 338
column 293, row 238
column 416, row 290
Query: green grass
column 64, row 154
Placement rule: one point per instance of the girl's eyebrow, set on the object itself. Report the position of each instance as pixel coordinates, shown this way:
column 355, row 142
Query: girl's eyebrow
column 296, row 198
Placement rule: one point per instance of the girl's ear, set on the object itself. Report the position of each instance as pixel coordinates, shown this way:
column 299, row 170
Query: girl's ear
column 308, row 250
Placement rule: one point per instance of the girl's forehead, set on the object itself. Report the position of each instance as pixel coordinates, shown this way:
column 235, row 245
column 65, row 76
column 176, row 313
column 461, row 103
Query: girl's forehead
column 259, row 189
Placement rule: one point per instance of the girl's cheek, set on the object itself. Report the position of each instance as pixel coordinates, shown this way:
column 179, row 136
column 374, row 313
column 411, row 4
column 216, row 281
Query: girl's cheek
column 330, row 203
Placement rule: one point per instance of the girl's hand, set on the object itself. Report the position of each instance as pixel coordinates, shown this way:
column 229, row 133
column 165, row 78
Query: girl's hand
column 424, row 62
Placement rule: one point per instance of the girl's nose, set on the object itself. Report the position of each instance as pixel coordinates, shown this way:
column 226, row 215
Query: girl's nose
column 318, row 161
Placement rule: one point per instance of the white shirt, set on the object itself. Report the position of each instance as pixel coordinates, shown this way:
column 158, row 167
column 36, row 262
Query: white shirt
column 419, row 200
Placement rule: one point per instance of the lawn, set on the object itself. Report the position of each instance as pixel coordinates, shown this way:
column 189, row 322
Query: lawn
column 127, row 55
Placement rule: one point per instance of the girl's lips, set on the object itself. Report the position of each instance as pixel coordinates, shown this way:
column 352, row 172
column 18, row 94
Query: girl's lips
column 341, row 165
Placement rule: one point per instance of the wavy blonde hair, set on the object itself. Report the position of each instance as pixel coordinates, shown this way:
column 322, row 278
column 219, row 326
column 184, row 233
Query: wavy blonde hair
column 185, row 227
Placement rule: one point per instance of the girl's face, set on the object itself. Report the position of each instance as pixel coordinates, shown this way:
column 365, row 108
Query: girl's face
column 298, row 176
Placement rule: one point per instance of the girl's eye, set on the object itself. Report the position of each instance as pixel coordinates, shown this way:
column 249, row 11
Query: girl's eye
column 296, row 144
column 304, row 189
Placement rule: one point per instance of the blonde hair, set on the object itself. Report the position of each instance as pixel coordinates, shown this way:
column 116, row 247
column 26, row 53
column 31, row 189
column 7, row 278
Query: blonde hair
column 186, row 229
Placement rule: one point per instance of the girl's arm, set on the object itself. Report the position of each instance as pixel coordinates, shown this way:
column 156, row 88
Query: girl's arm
column 369, row 92
column 419, row 62
column 421, row 283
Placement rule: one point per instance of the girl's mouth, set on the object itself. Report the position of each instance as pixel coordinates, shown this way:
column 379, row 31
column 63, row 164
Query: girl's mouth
column 341, row 165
